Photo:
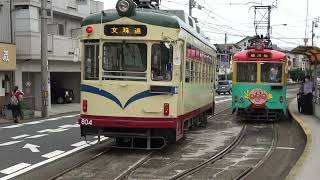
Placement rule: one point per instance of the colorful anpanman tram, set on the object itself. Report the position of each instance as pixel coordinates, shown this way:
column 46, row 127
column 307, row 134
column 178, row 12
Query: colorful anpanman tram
column 259, row 83
column 146, row 76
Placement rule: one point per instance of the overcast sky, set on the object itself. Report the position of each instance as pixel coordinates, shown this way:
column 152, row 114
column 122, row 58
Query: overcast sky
column 235, row 17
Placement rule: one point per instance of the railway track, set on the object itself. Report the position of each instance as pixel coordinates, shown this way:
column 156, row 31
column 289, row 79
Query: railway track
column 222, row 170
column 110, row 152
column 144, row 157
column 214, row 158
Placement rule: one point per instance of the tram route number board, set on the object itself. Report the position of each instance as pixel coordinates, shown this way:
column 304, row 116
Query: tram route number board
column 125, row 30
column 259, row 55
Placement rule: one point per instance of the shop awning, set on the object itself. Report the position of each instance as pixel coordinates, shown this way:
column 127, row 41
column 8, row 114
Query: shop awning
column 312, row 52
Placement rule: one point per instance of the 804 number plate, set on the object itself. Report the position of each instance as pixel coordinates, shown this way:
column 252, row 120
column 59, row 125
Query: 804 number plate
column 86, row 122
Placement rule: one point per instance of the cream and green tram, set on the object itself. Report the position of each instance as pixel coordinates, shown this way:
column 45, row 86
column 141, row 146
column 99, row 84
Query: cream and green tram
column 146, row 76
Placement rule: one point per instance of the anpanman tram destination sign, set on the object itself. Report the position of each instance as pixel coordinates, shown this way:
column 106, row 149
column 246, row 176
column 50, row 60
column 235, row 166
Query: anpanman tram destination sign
column 7, row 57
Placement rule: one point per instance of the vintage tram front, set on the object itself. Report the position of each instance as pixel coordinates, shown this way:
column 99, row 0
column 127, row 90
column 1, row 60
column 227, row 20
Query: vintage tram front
column 138, row 82
column 259, row 84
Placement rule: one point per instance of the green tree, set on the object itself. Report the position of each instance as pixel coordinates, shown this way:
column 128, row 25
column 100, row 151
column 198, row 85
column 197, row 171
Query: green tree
column 298, row 74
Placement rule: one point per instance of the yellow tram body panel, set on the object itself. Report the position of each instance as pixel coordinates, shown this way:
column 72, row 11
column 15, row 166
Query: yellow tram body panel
column 142, row 102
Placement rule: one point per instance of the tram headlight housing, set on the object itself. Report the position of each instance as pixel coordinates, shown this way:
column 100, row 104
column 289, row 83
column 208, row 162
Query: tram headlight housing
column 126, row 7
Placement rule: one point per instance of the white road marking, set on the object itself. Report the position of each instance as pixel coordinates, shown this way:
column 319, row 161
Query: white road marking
column 78, row 144
column 287, row 148
column 220, row 97
column 217, row 102
column 34, row 122
column 32, row 147
column 15, row 168
column 52, row 154
column 9, row 143
column 40, row 121
column 45, row 130
column 36, row 136
column 59, row 130
column 13, row 126
column 17, row 173
column 21, row 136
column 69, row 126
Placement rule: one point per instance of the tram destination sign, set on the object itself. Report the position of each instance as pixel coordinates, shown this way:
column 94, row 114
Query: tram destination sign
column 125, row 30
column 259, row 55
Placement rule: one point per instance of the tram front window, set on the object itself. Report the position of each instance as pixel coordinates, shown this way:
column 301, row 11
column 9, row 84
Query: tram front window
column 247, row 72
column 271, row 72
column 125, row 61
column 161, row 63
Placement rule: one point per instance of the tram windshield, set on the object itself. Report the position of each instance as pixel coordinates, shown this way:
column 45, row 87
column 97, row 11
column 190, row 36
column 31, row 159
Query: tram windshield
column 247, row 72
column 124, row 60
column 271, row 72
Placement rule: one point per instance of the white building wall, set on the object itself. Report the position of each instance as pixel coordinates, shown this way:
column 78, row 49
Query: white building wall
column 5, row 21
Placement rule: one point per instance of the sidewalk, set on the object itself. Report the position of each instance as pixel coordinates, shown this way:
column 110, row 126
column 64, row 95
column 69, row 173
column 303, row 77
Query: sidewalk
column 61, row 109
column 308, row 166
column 56, row 109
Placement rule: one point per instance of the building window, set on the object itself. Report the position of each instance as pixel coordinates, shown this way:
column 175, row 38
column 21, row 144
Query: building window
column 17, row 7
column 91, row 62
column 161, row 62
column 247, row 72
column 61, row 29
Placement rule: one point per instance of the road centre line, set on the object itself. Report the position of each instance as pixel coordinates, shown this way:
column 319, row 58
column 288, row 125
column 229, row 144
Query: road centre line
column 17, row 173
column 14, row 168
column 21, row 136
column 52, row 154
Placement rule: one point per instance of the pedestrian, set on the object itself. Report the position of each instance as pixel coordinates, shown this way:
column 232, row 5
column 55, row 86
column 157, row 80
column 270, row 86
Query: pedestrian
column 306, row 90
column 16, row 104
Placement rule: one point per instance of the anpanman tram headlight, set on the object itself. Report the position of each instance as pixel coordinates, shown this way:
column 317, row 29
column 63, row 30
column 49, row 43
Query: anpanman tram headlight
column 125, row 7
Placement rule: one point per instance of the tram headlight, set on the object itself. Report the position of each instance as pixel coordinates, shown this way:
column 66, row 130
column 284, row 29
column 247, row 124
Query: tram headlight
column 125, row 7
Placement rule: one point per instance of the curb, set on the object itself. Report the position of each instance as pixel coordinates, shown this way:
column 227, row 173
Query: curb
column 307, row 131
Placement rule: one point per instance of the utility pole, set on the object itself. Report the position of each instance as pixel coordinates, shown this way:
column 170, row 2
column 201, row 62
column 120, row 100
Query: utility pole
column 44, row 60
column 226, row 56
column 191, row 5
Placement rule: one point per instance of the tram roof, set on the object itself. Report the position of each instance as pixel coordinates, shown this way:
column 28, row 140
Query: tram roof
column 271, row 55
column 148, row 16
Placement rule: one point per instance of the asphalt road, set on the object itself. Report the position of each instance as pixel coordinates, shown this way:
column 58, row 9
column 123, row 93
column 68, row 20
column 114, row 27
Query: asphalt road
column 29, row 149
column 27, row 146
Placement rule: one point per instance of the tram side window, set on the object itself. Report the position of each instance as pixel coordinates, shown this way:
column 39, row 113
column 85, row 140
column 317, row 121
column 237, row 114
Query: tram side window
column 161, row 62
column 91, row 62
column 187, row 72
column 247, row 72
column 271, row 72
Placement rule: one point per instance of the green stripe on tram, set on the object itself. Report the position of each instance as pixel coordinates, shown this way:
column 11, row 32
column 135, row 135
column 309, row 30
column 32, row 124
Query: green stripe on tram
column 147, row 16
